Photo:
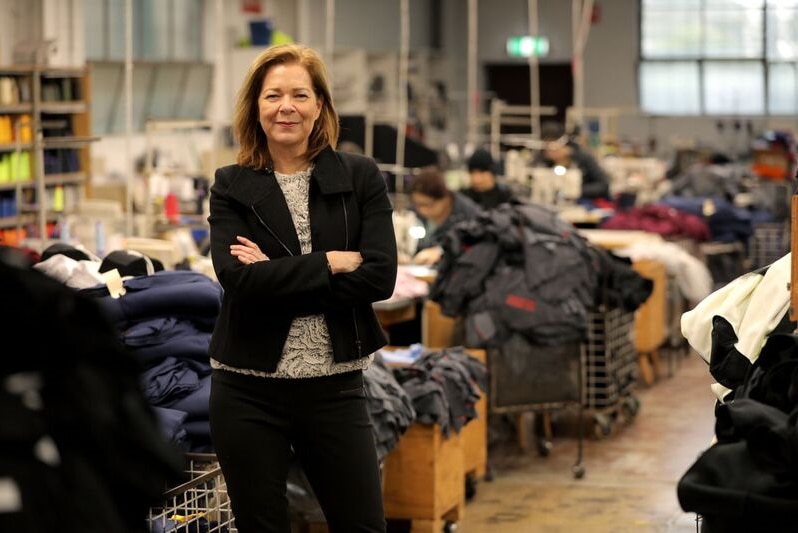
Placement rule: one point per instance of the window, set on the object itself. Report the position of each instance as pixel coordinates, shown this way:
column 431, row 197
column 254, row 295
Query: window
column 719, row 57
column 170, row 79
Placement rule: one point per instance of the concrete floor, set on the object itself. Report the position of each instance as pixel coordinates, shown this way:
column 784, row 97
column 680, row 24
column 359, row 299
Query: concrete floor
column 631, row 475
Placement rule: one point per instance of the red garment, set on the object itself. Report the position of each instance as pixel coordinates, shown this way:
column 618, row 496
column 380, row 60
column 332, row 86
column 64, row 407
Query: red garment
column 661, row 219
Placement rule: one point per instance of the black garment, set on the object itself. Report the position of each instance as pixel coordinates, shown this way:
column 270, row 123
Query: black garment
column 73, row 390
column 349, row 210
column 492, row 198
column 748, row 480
column 256, row 422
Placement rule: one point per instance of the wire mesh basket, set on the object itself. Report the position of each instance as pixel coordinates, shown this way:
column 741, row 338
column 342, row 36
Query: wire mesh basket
column 199, row 504
column 609, row 363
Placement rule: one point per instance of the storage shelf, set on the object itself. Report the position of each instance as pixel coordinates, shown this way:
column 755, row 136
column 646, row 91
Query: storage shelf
column 10, row 222
column 66, row 107
column 12, row 147
column 50, row 180
column 10, row 109
column 67, row 142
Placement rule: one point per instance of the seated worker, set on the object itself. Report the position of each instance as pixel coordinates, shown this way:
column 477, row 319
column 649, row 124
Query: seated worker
column 561, row 150
column 438, row 208
column 484, row 188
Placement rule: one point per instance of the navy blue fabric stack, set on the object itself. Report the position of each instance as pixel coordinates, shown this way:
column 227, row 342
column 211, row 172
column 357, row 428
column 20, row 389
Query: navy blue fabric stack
column 166, row 320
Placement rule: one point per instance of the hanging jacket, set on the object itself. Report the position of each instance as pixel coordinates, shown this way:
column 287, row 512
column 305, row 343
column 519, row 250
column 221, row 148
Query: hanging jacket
column 729, row 327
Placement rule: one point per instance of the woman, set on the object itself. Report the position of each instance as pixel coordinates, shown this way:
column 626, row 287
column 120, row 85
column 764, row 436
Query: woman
column 302, row 243
column 439, row 209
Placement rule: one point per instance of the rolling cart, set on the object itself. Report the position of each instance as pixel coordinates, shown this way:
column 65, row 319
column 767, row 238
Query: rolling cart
column 610, row 366
column 541, row 379
column 199, row 503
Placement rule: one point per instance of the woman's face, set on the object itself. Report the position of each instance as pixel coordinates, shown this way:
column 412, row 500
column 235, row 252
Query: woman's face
column 288, row 106
column 429, row 207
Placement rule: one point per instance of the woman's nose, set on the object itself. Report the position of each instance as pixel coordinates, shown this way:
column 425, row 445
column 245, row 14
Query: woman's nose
column 286, row 105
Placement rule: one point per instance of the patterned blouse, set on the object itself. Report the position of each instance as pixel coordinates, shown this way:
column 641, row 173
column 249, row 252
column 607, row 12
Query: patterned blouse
column 308, row 350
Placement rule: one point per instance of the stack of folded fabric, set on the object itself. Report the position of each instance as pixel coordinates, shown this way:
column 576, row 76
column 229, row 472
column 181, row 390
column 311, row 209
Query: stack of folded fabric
column 444, row 387
column 390, row 408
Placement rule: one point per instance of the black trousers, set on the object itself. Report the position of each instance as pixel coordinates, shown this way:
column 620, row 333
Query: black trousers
column 256, row 422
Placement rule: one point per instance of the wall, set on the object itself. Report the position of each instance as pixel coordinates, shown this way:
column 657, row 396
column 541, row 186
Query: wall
column 19, row 21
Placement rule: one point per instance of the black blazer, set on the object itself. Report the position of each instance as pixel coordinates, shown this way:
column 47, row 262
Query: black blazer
column 349, row 210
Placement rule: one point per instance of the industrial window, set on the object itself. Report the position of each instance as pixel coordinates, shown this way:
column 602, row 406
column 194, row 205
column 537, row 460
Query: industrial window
column 170, row 78
column 719, row 57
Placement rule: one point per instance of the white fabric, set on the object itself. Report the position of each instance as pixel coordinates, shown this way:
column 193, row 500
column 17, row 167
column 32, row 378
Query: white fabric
column 76, row 274
column 753, row 304
column 691, row 274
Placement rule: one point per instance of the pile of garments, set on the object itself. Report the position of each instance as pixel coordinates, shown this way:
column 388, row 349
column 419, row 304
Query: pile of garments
column 444, row 387
column 165, row 319
column 390, row 407
column 516, row 269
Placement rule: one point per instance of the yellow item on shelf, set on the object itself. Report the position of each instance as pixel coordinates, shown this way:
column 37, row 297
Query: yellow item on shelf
column 25, row 130
column 58, row 198
column 19, row 166
column 6, row 135
column 5, row 168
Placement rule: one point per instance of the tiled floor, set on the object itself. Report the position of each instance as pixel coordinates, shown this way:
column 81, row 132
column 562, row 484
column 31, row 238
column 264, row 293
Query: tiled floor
column 631, row 476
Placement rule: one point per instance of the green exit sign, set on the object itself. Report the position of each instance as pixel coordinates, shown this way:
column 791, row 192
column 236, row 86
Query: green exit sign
column 527, row 46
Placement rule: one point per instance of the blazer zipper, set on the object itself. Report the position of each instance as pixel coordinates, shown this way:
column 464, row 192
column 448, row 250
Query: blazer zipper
column 358, row 344
column 286, row 248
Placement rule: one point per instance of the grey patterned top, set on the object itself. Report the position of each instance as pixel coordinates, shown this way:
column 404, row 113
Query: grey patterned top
column 308, row 350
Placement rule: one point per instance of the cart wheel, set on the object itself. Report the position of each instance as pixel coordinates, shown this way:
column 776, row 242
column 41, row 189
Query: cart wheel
column 630, row 408
column 602, row 427
column 449, row 527
column 470, row 486
column 579, row 471
column 544, row 447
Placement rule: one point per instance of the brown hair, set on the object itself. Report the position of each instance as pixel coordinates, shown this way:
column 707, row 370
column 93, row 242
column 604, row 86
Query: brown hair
column 430, row 182
column 253, row 151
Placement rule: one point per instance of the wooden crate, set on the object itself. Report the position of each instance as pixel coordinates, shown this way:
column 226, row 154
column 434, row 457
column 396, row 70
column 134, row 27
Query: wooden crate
column 650, row 319
column 424, row 478
column 474, row 435
column 437, row 329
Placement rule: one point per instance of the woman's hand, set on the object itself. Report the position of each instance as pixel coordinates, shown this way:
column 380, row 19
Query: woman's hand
column 247, row 252
column 428, row 256
column 344, row 262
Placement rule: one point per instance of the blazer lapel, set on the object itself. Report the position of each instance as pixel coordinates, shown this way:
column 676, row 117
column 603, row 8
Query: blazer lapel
column 259, row 191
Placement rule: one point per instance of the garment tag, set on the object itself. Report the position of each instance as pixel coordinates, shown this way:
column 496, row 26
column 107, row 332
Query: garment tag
column 114, row 283
column 10, row 496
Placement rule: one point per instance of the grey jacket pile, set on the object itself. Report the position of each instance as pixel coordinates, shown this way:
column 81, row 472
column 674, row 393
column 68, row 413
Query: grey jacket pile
column 444, row 387
column 517, row 268
column 390, row 407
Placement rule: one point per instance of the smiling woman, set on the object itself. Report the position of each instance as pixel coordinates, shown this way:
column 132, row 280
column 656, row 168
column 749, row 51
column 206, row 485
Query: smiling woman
column 302, row 242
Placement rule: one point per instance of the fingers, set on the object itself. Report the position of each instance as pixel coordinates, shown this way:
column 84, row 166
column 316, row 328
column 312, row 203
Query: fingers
column 247, row 252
